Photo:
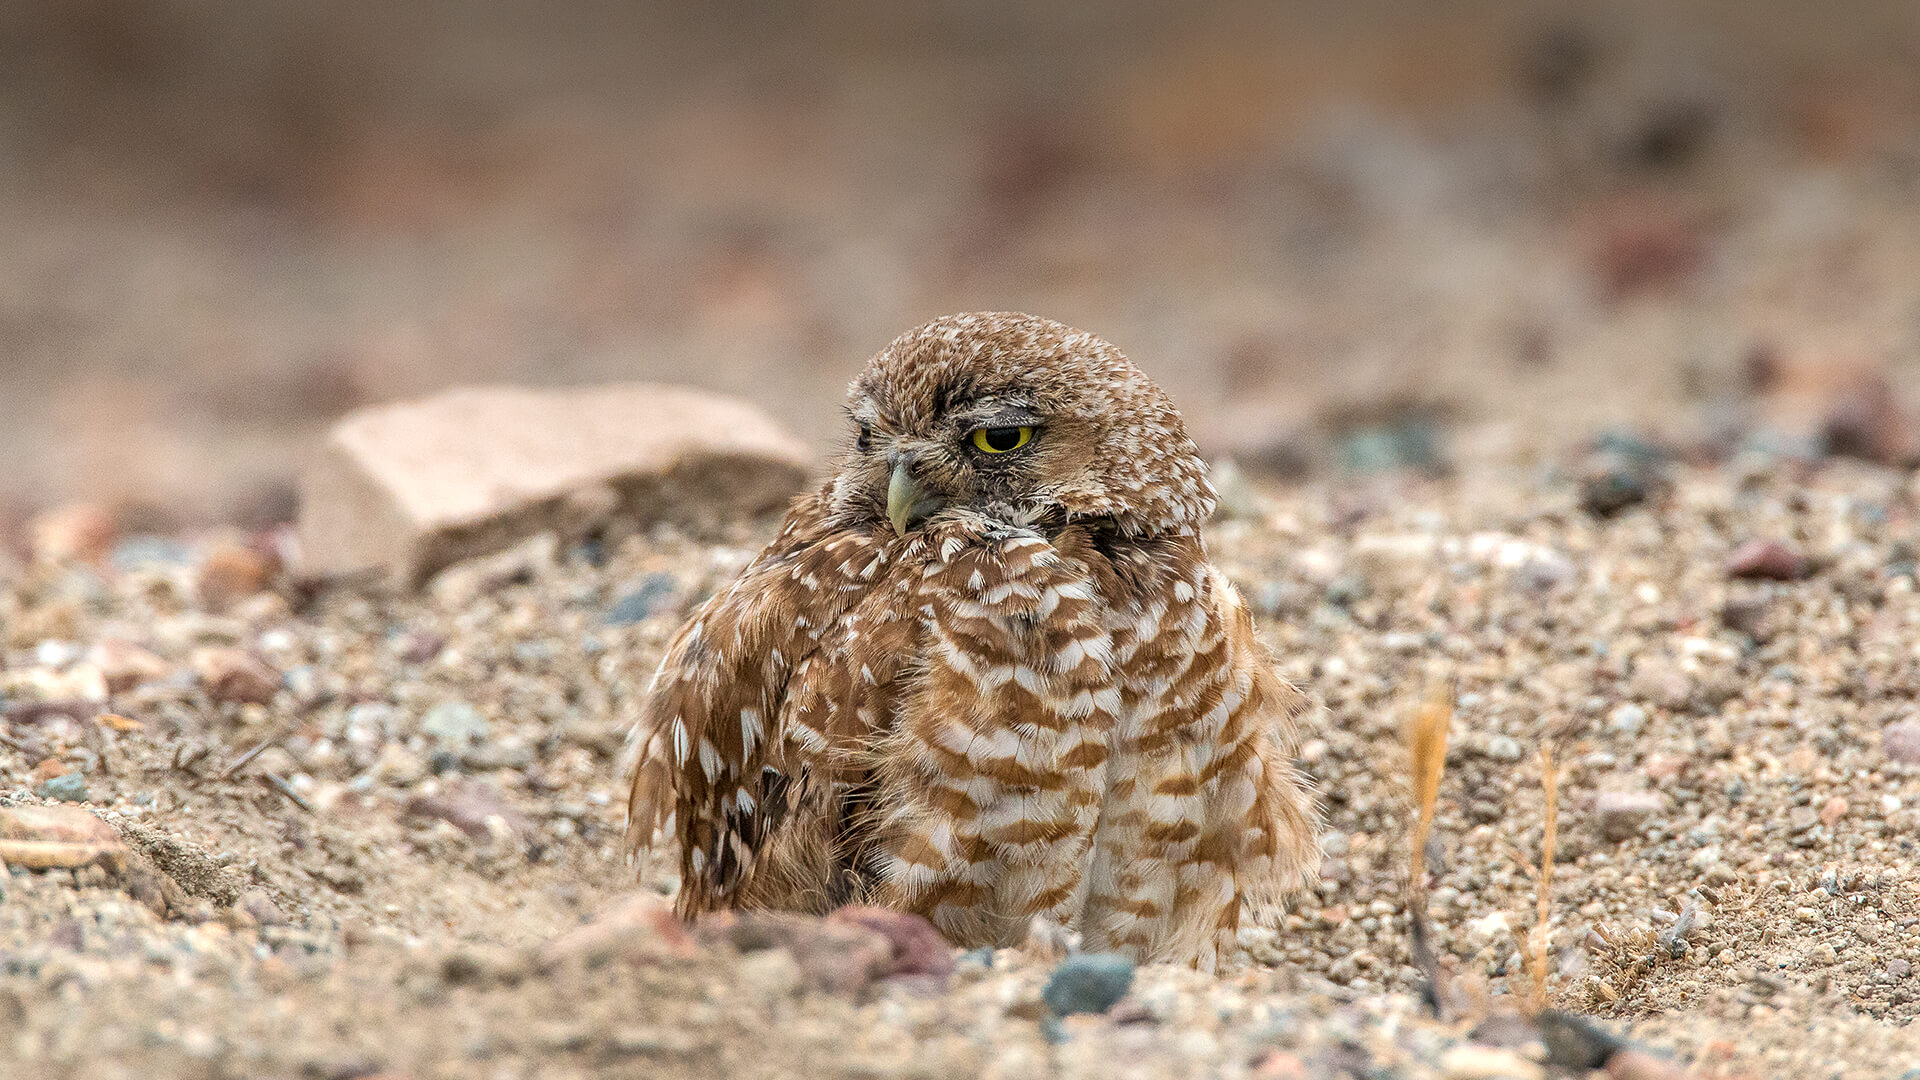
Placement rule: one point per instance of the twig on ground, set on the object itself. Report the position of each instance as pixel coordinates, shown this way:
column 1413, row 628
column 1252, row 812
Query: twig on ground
column 187, row 758
column 279, row 784
column 244, row 759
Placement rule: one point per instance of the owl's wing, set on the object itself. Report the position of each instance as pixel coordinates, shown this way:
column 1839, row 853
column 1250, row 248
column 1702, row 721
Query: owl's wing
column 1261, row 803
column 710, row 763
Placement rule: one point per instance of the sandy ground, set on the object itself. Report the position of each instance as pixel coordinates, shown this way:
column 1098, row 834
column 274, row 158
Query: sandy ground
column 337, row 920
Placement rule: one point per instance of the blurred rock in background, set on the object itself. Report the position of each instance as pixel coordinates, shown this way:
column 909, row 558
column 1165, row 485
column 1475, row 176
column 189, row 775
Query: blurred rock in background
column 223, row 224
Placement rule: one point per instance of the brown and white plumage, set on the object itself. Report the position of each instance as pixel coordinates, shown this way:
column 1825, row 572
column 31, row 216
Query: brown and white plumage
column 987, row 685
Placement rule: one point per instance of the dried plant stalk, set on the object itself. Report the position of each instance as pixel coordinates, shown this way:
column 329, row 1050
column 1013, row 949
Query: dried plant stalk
column 1427, row 743
column 1427, row 736
column 1550, row 787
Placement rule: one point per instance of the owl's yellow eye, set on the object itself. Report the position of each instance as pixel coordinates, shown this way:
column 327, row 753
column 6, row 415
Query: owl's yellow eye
column 999, row 440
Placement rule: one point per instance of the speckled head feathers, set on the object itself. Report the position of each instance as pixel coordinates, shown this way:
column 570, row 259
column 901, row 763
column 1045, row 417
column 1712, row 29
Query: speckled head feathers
column 1108, row 443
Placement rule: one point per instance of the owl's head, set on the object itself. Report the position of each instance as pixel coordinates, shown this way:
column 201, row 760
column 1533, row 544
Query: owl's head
column 1018, row 419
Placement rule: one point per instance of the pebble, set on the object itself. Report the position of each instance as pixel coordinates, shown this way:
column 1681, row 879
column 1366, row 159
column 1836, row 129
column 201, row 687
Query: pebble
column 236, row 676
column 1747, row 615
column 148, row 552
column 51, row 837
column 421, row 646
column 1088, row 983
column 1627, row 719
column 653, row 595
column 1493, row 927
column 67, row 787
column 454, row 724
column 76, row 532
column 475, row 808
column 1622, row 815
column 640, row 927
column 258, row 904
column 1768, row 560
column 229, row 573
column 918, row 949
column 1410, row 441
column 125, row 664
column 1901, row 741
column 1619, row 472
column 1504, row 748
column 1470, row 1062
column 1664, row 684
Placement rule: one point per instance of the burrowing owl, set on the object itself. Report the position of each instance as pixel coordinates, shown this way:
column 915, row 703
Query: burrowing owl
column 986, row 673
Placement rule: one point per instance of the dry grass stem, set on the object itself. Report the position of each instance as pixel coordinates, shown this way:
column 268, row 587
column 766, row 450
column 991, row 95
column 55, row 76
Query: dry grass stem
column 1427, row 741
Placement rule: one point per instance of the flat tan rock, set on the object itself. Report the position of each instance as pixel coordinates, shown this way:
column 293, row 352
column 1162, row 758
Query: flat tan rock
column 406, row 489
column 57, row 837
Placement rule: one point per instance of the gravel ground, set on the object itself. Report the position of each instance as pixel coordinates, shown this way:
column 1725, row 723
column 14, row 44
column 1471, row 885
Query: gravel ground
column 380, row 865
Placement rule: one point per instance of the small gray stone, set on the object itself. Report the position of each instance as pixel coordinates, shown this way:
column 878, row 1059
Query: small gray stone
column 1661, row 683
column 1619, row 471
column 1504, row 748
column 649, row 597
column 1901, row 741
column 259, row 904
column 1622, row 814
column 1347, row 590
column 1546, row 572
column 454, row 724
column 1627, row 719
column 1088, row 983
column 1899, row 968
column 67, row 787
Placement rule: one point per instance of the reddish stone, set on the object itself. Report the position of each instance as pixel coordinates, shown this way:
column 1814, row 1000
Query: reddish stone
column 1621, row 815
column 1901, row 741
column 77, row 532
column 230, row 573
column 125, row 665
column 1768, row 560
column 640, row 928
column 236, row 676
column 918, row 948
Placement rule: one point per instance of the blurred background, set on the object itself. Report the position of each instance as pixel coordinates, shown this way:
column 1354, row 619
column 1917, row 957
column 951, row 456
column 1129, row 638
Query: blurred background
column 1502, row 227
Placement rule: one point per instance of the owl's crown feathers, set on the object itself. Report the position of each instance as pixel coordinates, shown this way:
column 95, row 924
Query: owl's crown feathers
column 1021, row 420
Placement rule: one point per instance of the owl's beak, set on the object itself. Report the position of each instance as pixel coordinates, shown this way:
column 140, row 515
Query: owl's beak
column 907, row 502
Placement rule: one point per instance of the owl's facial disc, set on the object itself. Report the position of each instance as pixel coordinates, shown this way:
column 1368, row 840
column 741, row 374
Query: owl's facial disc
column 1010, row 418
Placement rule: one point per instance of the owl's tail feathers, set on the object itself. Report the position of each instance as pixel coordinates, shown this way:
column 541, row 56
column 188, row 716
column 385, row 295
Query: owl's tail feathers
column 1285, row 841
column 651, row 797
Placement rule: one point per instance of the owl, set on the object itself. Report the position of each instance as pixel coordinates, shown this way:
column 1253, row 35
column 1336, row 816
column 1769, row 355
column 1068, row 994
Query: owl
column 986, row 673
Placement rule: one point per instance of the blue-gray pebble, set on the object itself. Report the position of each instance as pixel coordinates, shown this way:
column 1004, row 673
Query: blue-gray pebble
column 67, row 787
column 1088, row 983
column 652, row 595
